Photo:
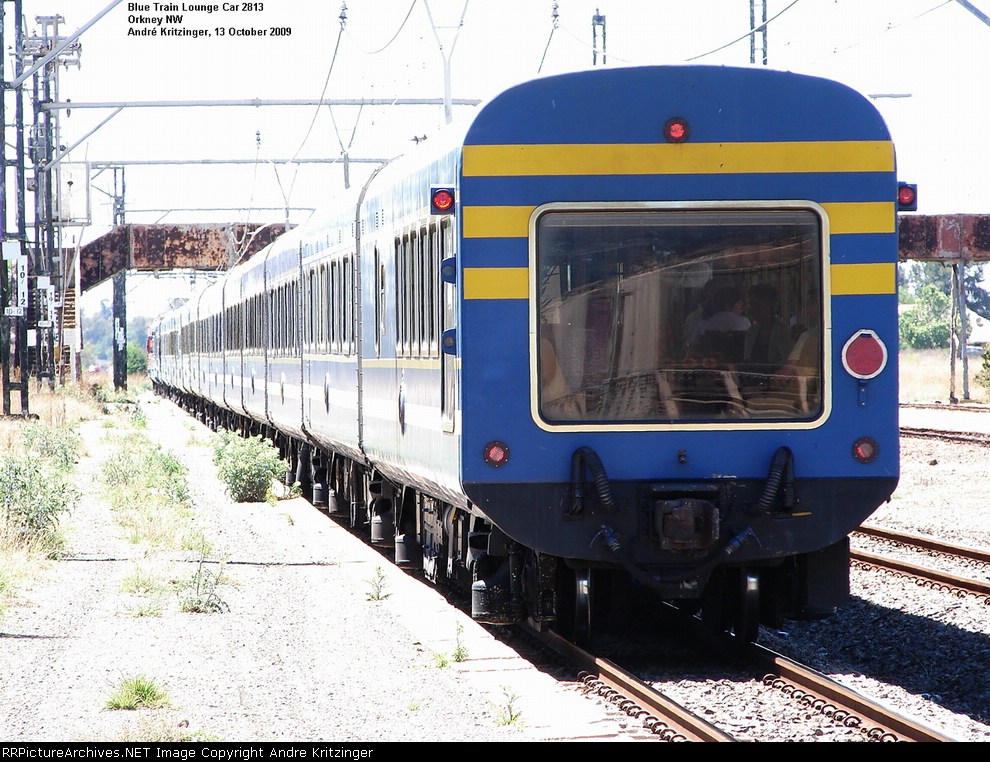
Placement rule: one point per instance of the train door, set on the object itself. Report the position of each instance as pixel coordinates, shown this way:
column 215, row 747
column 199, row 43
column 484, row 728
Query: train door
column 448, row 319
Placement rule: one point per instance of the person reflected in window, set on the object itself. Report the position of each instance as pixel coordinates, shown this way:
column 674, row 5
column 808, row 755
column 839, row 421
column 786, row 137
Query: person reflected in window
column 695, row 316
column 725, row 312
column 722, row 330
column 768, row 340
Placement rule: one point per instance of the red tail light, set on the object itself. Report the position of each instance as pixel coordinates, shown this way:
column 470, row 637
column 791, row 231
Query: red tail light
column 441, row 200
column 676, row 130
column 864, row 355
column 865, row 450
column 496, row 454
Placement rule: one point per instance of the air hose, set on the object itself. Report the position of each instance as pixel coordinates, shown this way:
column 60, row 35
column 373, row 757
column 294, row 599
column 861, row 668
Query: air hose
column 585, row 456
column 781, row 471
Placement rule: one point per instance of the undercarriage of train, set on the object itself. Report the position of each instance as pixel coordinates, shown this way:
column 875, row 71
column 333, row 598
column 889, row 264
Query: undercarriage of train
column 508, row 583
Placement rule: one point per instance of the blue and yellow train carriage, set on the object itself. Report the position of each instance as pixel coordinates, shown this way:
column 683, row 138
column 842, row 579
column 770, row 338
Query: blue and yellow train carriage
column 626, row 331
column 595, row 428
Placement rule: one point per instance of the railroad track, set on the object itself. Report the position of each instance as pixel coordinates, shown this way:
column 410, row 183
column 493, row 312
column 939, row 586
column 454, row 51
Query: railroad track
column 923, row 574
column 812, row 689
column 665, row 718
column 963, row 437
column 806, row 688
column 967, row 407
column 809, row 690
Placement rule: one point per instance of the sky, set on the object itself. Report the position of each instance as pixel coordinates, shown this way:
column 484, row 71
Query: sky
column 924, row 63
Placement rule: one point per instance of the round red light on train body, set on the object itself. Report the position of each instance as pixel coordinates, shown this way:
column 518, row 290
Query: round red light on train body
column 907, row 197
column 676, row 130
column 864, row 355
column 441, row 200
column 865, row 450
column 496, row 454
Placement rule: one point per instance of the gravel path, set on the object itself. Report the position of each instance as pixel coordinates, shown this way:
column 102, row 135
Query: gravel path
column 303, row 654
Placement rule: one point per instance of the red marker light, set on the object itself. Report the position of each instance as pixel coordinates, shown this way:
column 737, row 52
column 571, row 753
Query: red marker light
column 496, row 454
column 907, row 197
column 864, row 355
column 676, row 130
column 865, row 450
column 441, row 200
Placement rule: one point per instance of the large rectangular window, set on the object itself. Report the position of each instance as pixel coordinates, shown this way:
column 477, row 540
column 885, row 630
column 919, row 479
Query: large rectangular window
column 679, row 315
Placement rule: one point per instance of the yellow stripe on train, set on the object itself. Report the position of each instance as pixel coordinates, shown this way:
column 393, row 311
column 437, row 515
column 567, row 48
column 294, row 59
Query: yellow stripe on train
column 513, row 221
column 853, row 280
column 496, row 283
column 513, row 282
column 677, row 158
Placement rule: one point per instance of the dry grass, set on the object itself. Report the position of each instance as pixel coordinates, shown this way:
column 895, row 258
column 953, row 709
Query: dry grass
column 61, row 407
column 926, row 376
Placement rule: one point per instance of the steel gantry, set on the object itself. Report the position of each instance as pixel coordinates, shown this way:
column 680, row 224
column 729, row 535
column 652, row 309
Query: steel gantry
column 32, row 276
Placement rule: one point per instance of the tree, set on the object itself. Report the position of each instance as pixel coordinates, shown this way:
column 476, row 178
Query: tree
column 98, row 337
column 137, row 358
column 914, row 276
column 926, row 325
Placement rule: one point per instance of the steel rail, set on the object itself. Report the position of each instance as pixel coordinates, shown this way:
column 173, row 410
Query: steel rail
column 641, row 696
column 840, row 696
column 964, row 437
column 926, row 542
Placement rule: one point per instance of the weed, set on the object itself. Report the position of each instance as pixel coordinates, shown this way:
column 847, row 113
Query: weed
column 246, row 465
column 377, row 584
column 141, row 582
column 509, row 714
column 143, row 465
column 147, row 490
column 196, row 541
column 440, row 661
column 460, row 650
column 147, row 609
column 20, row 560
column 33, row 496
column 60, row 446
column 138, row 419
column 138, row 692
column 199, row 595
column 6, row 590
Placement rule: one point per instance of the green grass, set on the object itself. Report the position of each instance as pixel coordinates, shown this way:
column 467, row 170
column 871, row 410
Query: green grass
column 138, row 692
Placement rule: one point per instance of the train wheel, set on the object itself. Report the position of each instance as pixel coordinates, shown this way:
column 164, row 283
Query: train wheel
column 304, row 471
column 582, row 605
column 731, row 603
column 746, row 625
column 574, row 604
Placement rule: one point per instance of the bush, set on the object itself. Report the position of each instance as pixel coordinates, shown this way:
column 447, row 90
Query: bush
column 246, row 465
column 137, row 359
column 926, row 325
column 58, row 445
column 33, row 496
column 144, row 467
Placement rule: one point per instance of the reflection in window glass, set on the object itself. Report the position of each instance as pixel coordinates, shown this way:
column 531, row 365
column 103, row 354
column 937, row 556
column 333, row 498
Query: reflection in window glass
column 679, row 315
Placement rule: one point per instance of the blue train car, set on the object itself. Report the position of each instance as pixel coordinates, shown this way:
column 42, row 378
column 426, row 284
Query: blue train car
column 627, row 330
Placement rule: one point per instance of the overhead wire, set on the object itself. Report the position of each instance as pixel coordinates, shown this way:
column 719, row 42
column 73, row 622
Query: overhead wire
column 888, row 28
column 394, row 36
column 746, row 35
column 556, row 19
column 326, row 84
column 592, row 47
